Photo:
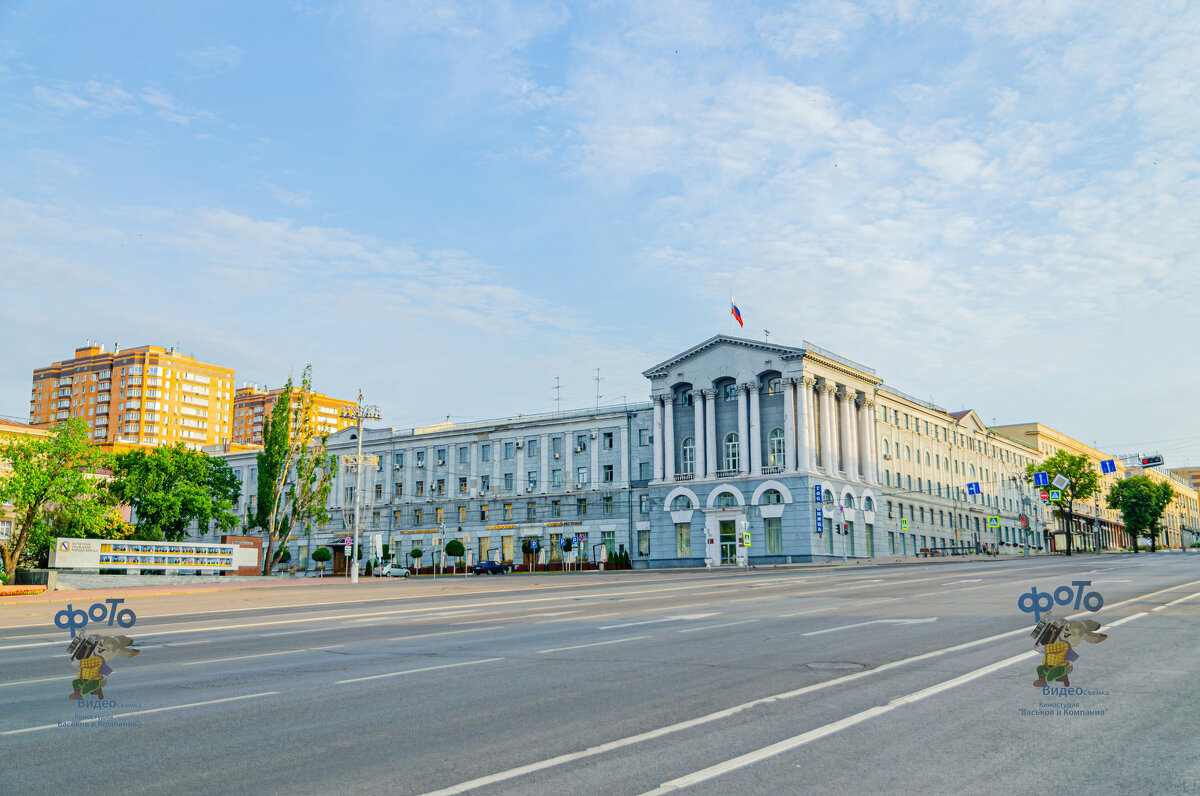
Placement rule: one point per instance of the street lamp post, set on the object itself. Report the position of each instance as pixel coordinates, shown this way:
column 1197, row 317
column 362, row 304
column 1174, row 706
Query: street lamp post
column 358, row 413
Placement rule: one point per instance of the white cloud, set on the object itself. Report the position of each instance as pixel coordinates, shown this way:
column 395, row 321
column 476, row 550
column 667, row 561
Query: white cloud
column 216, row 59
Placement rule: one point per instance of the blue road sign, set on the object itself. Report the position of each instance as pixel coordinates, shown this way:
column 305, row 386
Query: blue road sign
column 533, row 544
column 973, row 488
column 1108, row 466
column 1055, row 494
column 1041, row 479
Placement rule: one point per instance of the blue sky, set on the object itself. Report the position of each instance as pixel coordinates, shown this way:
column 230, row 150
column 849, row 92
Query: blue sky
column 449, row 203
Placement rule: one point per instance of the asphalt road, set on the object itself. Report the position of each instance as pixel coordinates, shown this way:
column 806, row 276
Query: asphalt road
column 909, row 679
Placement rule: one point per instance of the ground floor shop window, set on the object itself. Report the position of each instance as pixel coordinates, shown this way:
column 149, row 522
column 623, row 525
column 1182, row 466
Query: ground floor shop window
column 507, row 549
column 643, row 543
column 774, row 531
column 609, row 538
column 870, row 540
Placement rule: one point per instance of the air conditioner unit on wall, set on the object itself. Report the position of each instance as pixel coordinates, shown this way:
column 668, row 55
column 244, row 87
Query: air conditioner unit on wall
column 441, row 463
column 592, row 435
column 420, row 464
column 579, row 449
column 557, row 455
column 579, row 486
column 520, row 444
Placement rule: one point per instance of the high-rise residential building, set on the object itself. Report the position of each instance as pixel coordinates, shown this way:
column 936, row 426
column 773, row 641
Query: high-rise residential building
column 145, row 396
column 251, row 404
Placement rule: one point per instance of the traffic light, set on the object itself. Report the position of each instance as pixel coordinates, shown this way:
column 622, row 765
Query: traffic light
column 1151, row 461
column 1024, row 521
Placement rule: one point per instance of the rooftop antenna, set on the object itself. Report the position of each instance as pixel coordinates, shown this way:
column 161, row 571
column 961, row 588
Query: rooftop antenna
column 766, row 335
column 597, row 380
column 557, row 395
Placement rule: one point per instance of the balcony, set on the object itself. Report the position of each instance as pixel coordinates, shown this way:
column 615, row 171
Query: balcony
column 727, row 473
column 772, row 470
column 684, row 476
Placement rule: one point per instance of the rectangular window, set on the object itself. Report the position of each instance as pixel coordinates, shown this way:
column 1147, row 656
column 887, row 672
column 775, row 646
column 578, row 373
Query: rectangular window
column 891, row 543
column 417, row 514
column 608, row 473
column 581, row 442
column 643, row 437
column 774, row 532
column 531, row 511
column 509, row 450
column 440, row 516
column 463, row 453
column 609, row 539
column 420, row 489
column 349, row 496
column 556, row 445
column 643, row 543
column 556, row 479
column 644, row 504
column 462, row 486
column 531, row 479
column 555, row 508
column 485, row 482
column 378, row 491
column 581, row 507
column 683, row 539
column 441, row 486
column 644, row 470
column 581, row 475
column 420, row 458
column 483, row 512
column 508, row 481
column 485, row 453
column 508, row 511
column 462, row 513
column 441, row 456
column 608, row 442
column 531, row 447
column 608, row 504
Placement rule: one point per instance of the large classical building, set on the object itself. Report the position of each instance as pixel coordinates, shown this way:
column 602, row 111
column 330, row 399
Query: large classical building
column 145, row 396
column 251, row 404
column 13, row 428
column 749, row 453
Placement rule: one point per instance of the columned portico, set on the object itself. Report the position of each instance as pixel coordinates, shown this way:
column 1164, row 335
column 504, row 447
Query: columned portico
column 808, row 434
column 710, row 433
column 866, row 439
column 828, row 454
column 755, row 434
column 698, row 462
column 849, row 452
column 742, row 421
column 789, row 425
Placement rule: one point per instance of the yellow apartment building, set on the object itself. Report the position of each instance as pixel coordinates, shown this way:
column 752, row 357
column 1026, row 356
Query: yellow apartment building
column 137, row 397
column 251, row 404
column 13, row 428
column 1181, row 520
column 1094, row 521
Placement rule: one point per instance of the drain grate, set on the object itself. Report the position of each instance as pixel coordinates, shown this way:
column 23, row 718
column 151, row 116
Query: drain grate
column 841, row 665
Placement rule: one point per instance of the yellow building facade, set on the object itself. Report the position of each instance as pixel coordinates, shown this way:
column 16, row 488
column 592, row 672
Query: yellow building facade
column 12, row 428
column 251, row 405
column 1181, row 521
column 138, row 397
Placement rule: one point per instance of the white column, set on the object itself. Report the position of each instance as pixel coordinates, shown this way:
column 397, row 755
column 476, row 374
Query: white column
column 828, row 454
column 659, row 459
column 743, row 410
column 849, row 462
column 755, row 429
column 807, row 459
column 789, row 425
column 866, row 421
column 712, row 459
column 698, row 414
column 669, row 437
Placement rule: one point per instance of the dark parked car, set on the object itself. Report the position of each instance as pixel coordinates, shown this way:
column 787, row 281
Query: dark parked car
column 489, row 568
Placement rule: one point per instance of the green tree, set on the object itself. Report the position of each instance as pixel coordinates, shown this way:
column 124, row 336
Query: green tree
column 322, row 555
column 47, row 477
column 295, row 470
column 456, row 549
column 1142, row 502
column 415, row 554
column 172, row 486
column 1085, row 482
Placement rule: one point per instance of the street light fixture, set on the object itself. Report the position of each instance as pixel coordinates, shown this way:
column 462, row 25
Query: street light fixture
column 358, row 413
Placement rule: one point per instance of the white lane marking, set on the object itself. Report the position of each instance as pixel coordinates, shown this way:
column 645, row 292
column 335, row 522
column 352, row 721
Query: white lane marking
column 442, row 633
column 593, row 644
column 872, row 622
column 621, row 743
column 967, row 580
column 145, row 712
column 415, row 671
column 1126, row 580
column 553, row 613
column 575, row 618
column 931, row 593
column 1181, row 599
column 797, row 741
column 714, row 627
column 27, row 682
column 261, row 655
column 676, row 618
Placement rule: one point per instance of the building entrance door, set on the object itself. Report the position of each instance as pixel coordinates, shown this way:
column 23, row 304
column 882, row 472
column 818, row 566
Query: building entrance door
column 728, row 542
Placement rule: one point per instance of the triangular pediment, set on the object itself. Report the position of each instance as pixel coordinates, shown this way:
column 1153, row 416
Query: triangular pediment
column 970, row 421
column 716, row 341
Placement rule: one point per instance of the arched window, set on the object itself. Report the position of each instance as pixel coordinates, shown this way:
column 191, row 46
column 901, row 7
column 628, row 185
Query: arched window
column 926, row 458
column 731, row 392
column 972, row 470
column 726, row 499
column 885, row 448
column 684, row 398
column 848, row 501
column 772, row 496
column 681, row 503
column 907, row 453
column 775, row 448
column 730, row 460
column 689, row 455
column 774, row 386
column 868, row 504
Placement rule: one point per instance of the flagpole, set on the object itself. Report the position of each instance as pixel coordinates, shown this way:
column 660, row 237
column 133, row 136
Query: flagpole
column 731, row 305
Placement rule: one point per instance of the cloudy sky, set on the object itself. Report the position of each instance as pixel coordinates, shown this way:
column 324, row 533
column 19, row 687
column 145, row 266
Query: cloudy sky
column 450, row 204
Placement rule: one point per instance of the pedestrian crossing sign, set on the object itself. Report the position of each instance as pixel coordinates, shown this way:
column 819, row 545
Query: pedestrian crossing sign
column 904, row 524
column 993, row 522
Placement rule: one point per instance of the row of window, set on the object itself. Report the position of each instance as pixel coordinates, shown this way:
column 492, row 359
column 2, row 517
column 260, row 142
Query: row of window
column 729, row 392
column 555, row 509
column 531, row 447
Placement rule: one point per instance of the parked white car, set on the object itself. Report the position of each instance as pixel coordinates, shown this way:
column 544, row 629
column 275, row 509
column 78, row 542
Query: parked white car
column 392, row 571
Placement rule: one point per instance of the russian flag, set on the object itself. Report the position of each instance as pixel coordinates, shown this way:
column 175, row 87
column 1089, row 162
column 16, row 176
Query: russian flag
column 736, row 312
